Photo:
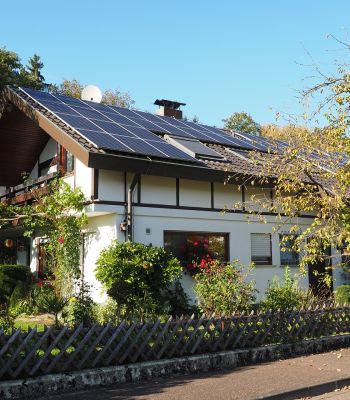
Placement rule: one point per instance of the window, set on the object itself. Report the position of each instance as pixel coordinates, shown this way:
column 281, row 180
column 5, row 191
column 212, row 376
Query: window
column 66, row 161
column 193, row 247
column 261, row 248
column 288, row 255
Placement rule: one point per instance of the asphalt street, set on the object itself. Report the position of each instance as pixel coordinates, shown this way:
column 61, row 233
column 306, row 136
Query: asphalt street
column 248, row 383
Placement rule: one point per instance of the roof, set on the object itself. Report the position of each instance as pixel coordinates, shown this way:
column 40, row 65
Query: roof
column 96, row 146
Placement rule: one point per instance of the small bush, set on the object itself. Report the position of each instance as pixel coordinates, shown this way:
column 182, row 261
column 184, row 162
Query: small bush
column 342, row 294
column 16, row 272
column 6, row 322
column 10, row 277
column 80, row 308
column 283, row 295
column 109, row 312
column 223, row 288
column 48, row 301
column 136, row 276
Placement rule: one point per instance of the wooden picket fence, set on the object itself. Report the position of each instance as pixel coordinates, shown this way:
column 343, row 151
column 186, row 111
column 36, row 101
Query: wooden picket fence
column 32, row 353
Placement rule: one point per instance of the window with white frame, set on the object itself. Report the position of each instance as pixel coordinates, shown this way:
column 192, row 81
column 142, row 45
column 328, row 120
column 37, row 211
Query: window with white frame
column 261, row 251
column 288, row 254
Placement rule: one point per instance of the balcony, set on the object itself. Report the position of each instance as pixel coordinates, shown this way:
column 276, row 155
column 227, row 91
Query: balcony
column 23, row 193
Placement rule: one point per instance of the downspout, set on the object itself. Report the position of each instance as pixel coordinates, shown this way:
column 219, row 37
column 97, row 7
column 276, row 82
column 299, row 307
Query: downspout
column 129, row 216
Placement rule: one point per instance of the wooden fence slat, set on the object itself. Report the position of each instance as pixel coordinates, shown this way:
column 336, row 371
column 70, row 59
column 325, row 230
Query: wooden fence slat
column 64, row 348
column 33, row 351
column 120, row 344
column 182, row 335
column 7, row 366
column 93, row 346
column 48, row 351
column 167, row 342
column 146, row 341
column 108, row 344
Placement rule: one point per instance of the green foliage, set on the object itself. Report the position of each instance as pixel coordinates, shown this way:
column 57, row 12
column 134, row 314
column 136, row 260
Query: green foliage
column 342, row 294
column 16, row 272
column 136, row 276
column 60, row 218
column 109, row 312
column 10, row 277
column 80, row 308
column 242, row 122
column 113, row 97
column 176, row 301
column 282, row 295
column 48, row 301
column 6, row 322
column 223, row 288
column 13, row 72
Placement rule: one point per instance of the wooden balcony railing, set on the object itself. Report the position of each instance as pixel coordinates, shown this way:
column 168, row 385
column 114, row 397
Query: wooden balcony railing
column 22, row 193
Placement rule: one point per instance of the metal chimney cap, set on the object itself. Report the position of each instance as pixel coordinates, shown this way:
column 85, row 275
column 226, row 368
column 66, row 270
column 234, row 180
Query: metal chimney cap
column 168, row 104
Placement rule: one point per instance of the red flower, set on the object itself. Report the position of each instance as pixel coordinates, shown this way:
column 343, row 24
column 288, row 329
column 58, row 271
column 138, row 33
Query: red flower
column 39, row 282
column 61, row 239
column 195, row 243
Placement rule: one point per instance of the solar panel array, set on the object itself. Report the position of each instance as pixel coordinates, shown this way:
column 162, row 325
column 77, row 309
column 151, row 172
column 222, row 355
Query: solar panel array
column 131, row 131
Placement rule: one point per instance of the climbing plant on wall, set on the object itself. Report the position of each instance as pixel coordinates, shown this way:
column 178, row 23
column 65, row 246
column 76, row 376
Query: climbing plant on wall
column 56, row 215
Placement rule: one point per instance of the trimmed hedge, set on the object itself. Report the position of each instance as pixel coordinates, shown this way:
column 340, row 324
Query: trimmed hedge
column 16, row 272
column 10, row 277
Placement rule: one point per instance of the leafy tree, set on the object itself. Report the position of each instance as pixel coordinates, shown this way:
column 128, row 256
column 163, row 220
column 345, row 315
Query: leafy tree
column 137, row 277
column 242, row 122
column 312, row 174
column 12, row 72
column 73, row 88
column 284, row 133
column 34, row 67
column 117, row 98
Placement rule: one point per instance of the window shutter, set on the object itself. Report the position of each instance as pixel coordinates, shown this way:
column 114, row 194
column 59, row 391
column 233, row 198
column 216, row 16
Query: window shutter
column 261, row 244
column 261, row 248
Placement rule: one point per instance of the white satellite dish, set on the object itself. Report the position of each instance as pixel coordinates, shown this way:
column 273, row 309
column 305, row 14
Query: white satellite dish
column 91, row 93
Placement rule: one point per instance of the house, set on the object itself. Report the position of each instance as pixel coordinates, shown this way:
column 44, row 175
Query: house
column 151, row 178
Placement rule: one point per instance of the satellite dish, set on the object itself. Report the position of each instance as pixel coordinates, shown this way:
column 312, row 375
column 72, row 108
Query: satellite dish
column 91, row 93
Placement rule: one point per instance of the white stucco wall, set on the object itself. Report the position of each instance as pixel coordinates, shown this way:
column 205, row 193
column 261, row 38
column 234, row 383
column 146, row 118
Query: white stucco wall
column 83, row 178
column 100, row 232
column 195, row 193
column 111, row 185
column 158, row 188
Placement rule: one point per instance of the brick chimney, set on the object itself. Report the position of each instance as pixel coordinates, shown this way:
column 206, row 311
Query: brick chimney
column 169, row 108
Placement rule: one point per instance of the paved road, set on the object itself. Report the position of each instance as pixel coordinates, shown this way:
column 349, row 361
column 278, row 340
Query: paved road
column 245, row 383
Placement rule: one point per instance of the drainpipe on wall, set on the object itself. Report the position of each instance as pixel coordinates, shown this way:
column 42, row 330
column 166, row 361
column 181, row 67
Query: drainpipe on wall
column 129, row 216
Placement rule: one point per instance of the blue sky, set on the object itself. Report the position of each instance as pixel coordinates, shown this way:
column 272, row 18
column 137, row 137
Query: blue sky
column 217, row 56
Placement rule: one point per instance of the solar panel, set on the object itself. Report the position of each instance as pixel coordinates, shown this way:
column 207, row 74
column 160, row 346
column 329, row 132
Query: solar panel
column 121, row 122
column 98, row 124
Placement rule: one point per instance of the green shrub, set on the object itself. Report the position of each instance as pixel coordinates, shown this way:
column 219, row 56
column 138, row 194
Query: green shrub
column 22, row 300
column 283, row 295
column 80, row 308
column 342, row 294
column 48, row 301
column 109, row 312
column 177, row 302
column 223, row 288
column 136, row 276
column 16, row 272
column 10, row 277
column 6, row 322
